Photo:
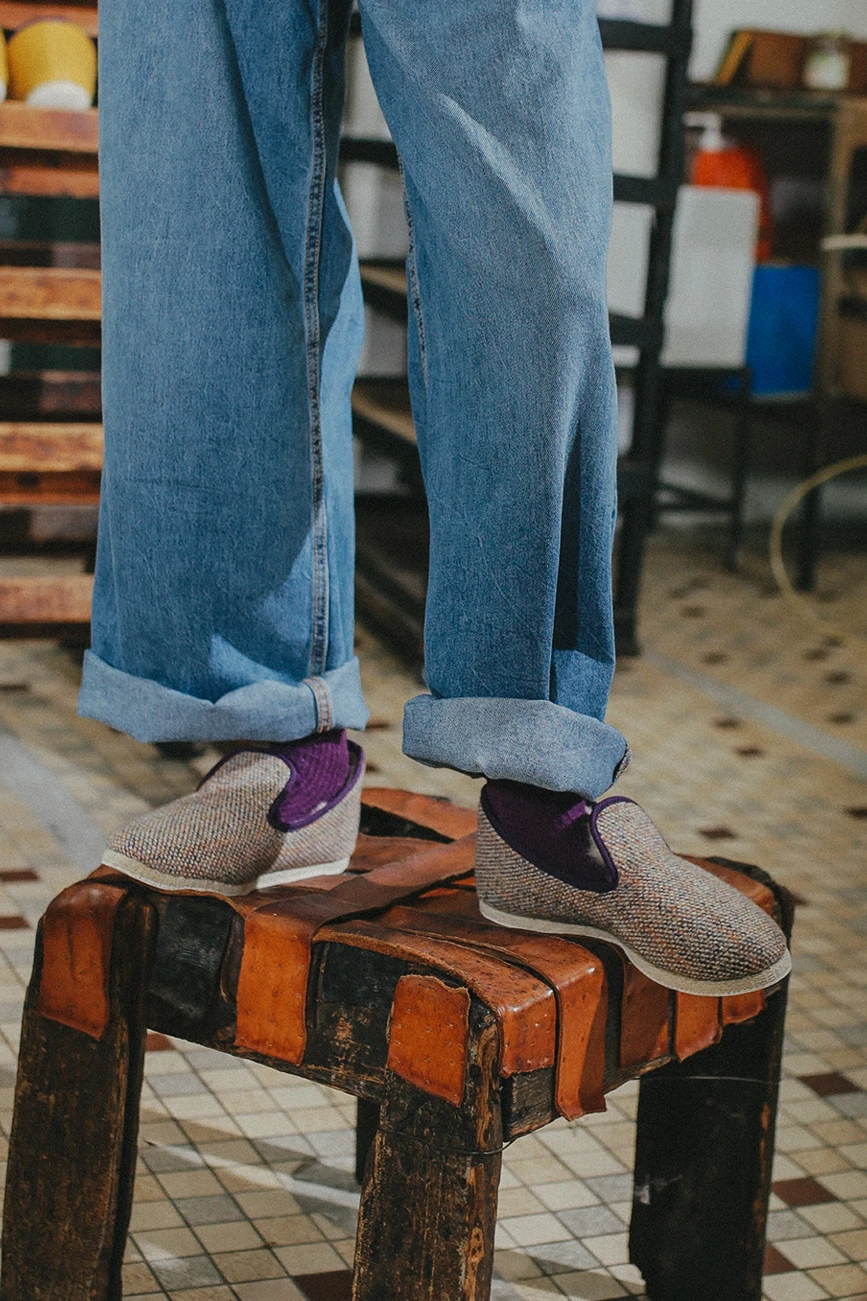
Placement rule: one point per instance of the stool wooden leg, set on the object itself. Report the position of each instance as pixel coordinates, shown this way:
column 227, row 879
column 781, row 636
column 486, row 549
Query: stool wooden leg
column 429, row 1201
column 73, row 1146
column 703, row 1165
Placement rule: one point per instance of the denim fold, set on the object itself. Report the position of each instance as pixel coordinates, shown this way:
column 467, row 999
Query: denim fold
column 261, row 711
column 533, row 741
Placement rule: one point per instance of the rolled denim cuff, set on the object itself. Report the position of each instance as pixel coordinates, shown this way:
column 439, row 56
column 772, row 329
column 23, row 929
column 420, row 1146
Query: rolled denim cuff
column 261, row 711
column 532, row 741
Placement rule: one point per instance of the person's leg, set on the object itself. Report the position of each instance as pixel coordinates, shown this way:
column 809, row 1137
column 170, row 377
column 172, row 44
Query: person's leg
column 500, row 113
column 232, row 322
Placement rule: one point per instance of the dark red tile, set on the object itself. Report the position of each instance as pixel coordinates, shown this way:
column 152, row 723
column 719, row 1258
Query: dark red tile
column 13, row 875
column 802, row 1192
column 717, row 833
column 14, row 924
column 158, row 1043
column 336, row 1286
column 829, row 1083
column 775, row 1261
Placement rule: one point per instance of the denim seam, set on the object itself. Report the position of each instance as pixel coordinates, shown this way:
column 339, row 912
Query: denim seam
column 319, row 637
column 324, row 714
column 412, row 274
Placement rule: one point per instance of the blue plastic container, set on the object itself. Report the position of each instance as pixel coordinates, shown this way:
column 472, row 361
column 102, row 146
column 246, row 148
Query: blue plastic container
column 781, row 338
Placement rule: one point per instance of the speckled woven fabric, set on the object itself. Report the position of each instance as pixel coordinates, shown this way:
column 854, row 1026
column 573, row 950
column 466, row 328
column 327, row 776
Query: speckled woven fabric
column 219, row 838
column 671, row 913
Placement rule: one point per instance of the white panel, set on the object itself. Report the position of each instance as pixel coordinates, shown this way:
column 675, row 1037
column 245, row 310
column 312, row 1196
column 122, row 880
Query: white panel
column 363, row 116
column 383, row 353
column 374, row 201
column 627, row 258
column 640, row 11
column 637, row 83
column 713, row 256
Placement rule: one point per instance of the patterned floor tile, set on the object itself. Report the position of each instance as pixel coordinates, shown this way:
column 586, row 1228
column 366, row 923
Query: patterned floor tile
column 749, row 727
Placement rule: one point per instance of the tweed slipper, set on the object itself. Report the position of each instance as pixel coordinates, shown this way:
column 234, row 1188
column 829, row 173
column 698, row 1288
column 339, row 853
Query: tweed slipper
column 679, row 924
column 259, row 818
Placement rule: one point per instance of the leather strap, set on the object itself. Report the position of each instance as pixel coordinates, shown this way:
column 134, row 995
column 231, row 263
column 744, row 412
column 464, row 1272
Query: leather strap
column 576, row 977
column 279, row 935
column 428, row 1039
column 77, row 934
column 697, row 1024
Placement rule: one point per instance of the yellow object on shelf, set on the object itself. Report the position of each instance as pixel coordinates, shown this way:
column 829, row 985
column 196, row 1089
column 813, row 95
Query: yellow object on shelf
column 52, row 64
column 4, row 68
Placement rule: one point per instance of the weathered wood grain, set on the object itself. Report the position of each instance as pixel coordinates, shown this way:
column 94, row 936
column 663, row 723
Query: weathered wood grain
column 46, row 600
column 25, row 127
column 73, row 1144
column 429, row 1198
column 50, row 446
column 53, row 294
column 14, row 15
column 38, row 174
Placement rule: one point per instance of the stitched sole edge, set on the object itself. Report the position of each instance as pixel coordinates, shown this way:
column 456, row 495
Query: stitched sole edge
column 671, row 980
column 199, row 885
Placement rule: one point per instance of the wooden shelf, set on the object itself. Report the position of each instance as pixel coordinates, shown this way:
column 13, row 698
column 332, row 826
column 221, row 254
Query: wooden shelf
column 14, row 15
column 50, row 294
column 58, row 448
column 392, row 278
column 46, row 600
column 50, row 394
column 385, row 404
column 24, row 127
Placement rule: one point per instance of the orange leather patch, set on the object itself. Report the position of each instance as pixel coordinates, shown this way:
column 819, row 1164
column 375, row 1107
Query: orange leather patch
column 271, row 1005
column 428, row 1036
column 645, row 1018
column 77, row 932
column 376, row 851
column 697, row 1024
column 426, row 810
column 279, row 931
column 760, row 894
column 524, row 1007
column 575, row 975
column 737, row 1008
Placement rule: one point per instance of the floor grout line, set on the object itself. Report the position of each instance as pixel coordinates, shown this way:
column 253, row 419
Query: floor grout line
column 778, row 720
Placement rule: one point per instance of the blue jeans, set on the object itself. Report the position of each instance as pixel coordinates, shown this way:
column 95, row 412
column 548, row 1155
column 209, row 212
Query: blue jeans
column 232, row 325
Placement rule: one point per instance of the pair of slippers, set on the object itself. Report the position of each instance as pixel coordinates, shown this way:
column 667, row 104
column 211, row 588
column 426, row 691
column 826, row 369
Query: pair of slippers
column 50, row 63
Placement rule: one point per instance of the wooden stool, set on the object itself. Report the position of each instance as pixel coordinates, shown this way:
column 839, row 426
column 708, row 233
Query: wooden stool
column 455, row 1035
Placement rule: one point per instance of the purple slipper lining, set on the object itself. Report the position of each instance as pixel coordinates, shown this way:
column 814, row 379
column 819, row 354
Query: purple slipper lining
column 554, row 831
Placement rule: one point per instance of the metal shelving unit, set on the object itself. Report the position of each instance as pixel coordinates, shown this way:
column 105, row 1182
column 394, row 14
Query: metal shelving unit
column 381, row 410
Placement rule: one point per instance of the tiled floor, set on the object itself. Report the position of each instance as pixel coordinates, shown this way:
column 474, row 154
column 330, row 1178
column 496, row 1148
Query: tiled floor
column 750, row 735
